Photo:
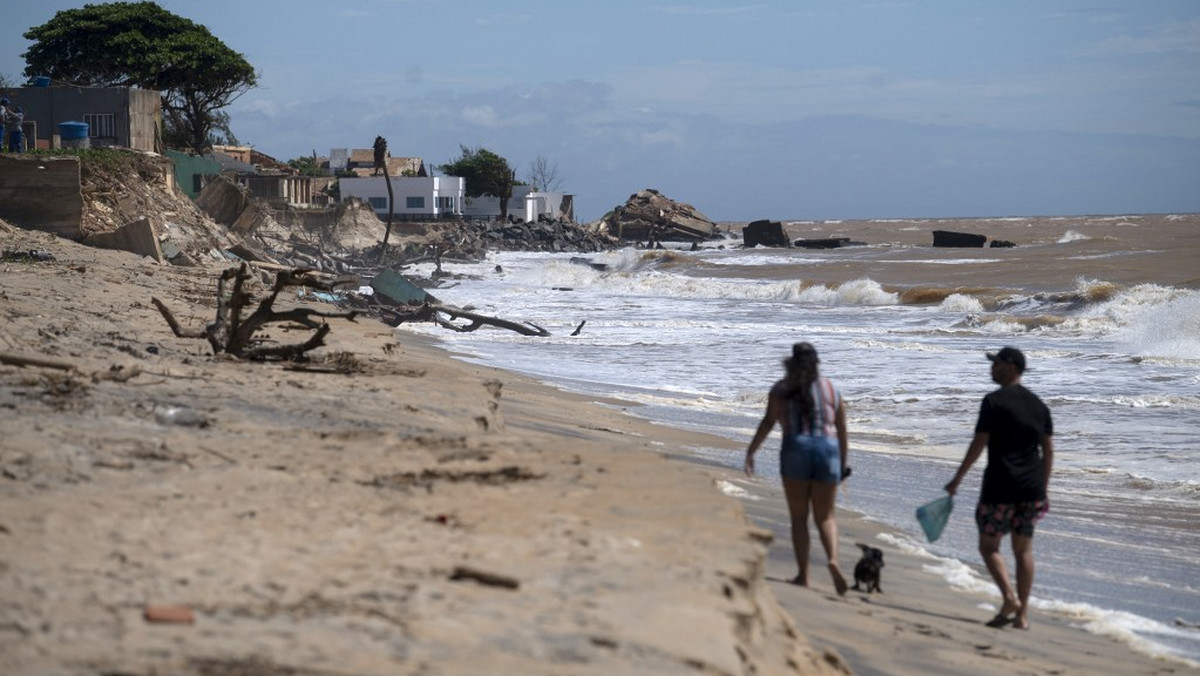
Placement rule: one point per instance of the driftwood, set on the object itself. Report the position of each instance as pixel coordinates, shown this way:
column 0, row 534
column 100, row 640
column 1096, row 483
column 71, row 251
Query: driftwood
column 434, row 311
column 477, row 320
column 31, row 360
column 484, row 577
column 234, row 334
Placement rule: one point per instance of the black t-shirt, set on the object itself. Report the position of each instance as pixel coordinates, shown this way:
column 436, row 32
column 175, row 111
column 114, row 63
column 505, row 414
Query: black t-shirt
column 1015, row 420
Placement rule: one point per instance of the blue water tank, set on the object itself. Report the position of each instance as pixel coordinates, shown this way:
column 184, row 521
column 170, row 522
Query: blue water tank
column 72, row 130
column 41, row 81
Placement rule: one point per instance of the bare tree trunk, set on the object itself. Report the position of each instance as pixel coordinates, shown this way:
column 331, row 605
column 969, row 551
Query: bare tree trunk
column 387, row 233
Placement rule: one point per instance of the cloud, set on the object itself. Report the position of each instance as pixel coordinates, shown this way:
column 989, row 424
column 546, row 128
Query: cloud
column 484, row 116
column 1176, row 37
column 707, row 11
column 898, row 159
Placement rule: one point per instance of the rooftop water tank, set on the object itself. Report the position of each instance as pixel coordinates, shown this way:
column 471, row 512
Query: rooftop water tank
column 73, row 134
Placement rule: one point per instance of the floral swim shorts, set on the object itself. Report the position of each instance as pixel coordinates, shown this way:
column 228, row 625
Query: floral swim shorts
column 1017, row 518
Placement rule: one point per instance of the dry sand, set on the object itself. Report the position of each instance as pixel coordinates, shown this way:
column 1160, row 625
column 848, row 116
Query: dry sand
column 414, row 515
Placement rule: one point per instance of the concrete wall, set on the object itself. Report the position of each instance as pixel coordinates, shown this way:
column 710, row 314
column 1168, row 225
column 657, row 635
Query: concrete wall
column 145, row 120
column 42, row 193
column 137, row 113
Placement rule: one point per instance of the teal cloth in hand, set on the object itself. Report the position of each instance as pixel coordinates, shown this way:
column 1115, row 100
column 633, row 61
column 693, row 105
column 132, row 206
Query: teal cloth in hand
column 934, row 515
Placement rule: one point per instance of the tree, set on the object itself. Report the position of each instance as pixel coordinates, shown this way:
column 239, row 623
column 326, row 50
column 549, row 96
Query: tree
column 543, row 175
column 486, row 173
column 307, row 165
column 139, row 44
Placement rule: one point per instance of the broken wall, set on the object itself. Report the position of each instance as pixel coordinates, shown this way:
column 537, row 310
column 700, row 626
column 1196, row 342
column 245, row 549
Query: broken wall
column 42, row 193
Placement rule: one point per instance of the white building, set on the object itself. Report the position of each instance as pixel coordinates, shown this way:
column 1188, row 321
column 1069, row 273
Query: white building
column 436, row 197
column 525, row 205
column 416, row 198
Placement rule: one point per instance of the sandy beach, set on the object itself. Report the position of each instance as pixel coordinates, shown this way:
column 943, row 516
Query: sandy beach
column 386, row 509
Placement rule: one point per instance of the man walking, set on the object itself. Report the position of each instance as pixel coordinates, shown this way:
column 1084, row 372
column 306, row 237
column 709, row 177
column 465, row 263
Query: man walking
column 1016, row 429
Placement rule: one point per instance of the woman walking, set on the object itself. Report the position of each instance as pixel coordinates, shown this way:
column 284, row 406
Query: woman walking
column 812, row 460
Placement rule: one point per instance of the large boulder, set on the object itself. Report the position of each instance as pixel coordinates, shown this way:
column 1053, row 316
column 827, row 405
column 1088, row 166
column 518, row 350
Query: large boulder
column 649, row 216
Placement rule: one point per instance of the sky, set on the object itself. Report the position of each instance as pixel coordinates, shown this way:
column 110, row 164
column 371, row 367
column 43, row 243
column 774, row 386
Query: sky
column 784, row 110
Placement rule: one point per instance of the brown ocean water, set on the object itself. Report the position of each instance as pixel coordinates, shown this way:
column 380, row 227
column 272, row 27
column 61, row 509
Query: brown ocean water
column 1106, row 307
column 1049, row 256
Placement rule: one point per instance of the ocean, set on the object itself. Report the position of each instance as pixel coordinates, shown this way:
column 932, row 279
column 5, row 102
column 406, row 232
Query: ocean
column 1106, row 309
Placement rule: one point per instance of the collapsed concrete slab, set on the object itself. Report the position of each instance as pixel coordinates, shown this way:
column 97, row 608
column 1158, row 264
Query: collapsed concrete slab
column 764, row 233
column 651, row 217
column 948, row 238
column 826, row 243
column 138, row 237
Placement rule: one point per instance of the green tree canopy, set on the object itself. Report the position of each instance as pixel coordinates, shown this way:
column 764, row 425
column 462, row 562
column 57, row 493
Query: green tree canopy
column 307, row 166
column 485, row 172
column 139, row 44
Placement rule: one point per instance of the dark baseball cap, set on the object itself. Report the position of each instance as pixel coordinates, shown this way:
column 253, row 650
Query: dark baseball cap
column 1011, row 355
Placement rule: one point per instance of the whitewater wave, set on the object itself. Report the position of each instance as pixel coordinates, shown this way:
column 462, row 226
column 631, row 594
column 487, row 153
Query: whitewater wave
column 1169, row 328
column 1152, row 321
column 958, row 302
column 1147, row 636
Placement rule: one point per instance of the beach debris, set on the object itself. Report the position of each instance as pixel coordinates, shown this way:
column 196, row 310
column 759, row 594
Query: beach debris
column 30, row 256
column 826, row 243
column 650, row 216
column 426, row 478
column 117, row 373
column 412, row 303
column 764, row 233
column 398, row 288
column 181, row 416
column 582, row 260
column 477, row 320
column 169, row 615
column 484, row 577
column 16, row 359
column 949, row 238
column 230, row 333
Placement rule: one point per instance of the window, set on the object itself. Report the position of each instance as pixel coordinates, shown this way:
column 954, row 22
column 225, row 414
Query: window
column 378, row 203
column 100, row 125
column 414, row 202
column 445, row 202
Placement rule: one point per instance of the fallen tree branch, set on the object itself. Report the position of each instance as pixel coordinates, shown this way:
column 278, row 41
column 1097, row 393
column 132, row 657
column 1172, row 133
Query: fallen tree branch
column 477, row 320
column 232, row 334
column 30, row 360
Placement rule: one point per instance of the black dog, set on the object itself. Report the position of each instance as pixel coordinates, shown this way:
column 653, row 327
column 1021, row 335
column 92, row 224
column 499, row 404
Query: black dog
column 867, row 570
